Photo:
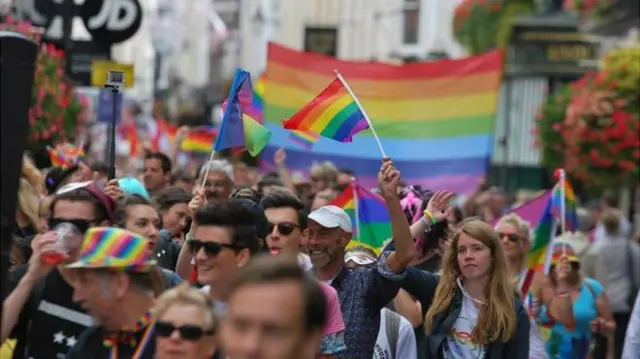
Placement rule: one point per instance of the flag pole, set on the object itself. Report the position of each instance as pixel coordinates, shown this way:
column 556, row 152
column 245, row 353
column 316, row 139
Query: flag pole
column 364, row 113
column 563, row 201
column 206, row 172
column 355, row 206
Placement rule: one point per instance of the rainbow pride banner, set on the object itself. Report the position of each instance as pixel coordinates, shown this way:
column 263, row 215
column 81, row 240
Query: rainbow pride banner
column 435, row 120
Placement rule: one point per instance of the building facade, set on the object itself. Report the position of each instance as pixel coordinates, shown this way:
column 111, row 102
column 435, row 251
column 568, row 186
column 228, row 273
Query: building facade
column 363, row 30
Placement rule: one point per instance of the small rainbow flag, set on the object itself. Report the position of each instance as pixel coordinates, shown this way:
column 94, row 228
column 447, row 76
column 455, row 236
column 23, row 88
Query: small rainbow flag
column 333, row 114
column 546, row 230
column 199, row 140
column 303, row 138
column 66, row 156
column 369, row 217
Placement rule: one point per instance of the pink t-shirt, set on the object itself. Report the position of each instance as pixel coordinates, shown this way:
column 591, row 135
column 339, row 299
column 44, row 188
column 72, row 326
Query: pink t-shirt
column 335, row 323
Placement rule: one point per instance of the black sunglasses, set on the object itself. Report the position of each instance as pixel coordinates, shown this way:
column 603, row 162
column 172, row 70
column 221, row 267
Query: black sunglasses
column 284, row 228
column 187, row 332
column 210, row 248
column 510, row 236
column 83, row 225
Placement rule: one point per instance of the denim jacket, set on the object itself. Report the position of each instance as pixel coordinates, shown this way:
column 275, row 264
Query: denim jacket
column 422, row 285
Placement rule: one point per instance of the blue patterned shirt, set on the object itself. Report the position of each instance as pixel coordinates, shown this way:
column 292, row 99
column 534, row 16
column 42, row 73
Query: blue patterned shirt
column 363, row 293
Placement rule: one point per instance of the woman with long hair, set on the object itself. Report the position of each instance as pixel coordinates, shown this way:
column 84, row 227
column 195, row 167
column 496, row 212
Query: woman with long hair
column 475, row 312
column 27, row 214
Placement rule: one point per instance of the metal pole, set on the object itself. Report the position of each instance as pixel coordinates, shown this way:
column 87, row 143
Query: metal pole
column 68, row 13
column 111, row 144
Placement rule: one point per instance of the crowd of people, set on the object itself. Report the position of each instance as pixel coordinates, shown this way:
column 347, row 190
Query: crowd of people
column 224, row 263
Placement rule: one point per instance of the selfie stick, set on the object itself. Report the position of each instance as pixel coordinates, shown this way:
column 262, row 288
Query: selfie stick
column 115, row 80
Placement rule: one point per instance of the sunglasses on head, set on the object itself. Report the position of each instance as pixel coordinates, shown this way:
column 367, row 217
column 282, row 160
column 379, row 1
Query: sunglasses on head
column 187, row 332
column 284, row 228
column 210, row 248
column 510, row 236
column 83, row 225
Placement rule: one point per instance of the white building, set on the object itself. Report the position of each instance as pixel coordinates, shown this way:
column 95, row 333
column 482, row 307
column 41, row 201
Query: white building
column 383, row 30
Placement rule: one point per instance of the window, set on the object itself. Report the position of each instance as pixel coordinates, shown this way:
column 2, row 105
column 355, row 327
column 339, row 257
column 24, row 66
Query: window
column 411, row 17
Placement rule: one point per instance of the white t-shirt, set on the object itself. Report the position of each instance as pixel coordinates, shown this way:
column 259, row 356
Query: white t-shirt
column 220, row 308
column 460, row 342
column 406, row 345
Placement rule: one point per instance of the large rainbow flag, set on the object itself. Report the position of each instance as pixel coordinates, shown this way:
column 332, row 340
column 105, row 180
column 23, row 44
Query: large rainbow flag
column 435, row 120
column 369, row 217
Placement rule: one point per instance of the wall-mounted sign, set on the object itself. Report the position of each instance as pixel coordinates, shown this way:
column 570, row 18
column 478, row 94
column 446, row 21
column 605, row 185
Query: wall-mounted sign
column 100, row 69
column 111, row 21
column 321, row 40
column 538, row 50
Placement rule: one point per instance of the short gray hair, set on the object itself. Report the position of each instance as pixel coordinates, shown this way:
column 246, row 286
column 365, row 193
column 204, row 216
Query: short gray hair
column 585, row 220
column 221, row 166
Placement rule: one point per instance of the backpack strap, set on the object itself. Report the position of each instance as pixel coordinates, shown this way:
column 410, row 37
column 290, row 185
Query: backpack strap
column 392, row 328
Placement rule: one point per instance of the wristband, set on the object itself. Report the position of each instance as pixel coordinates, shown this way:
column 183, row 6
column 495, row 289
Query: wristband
column 428, row 214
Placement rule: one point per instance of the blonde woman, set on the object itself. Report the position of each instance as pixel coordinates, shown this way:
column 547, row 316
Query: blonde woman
column 27, row 216
column 185, row 324
column 31, row 173
column 475, row 312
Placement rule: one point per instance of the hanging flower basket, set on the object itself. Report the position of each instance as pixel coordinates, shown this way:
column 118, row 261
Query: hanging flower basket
column 595, row 138
column 595, row 10
column 484, row 25
column 56, row 112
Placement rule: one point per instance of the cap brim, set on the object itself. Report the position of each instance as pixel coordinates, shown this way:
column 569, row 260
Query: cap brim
column 145, row 267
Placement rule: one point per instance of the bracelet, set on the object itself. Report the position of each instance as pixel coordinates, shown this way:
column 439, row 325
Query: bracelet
column 428, row 214
column 563, row 292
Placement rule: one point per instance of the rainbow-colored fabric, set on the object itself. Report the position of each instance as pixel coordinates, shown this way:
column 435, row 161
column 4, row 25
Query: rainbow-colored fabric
column 114, row 248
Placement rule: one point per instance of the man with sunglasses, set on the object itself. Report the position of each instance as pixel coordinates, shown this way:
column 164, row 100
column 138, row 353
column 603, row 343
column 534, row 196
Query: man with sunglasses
column 224, row 239
column 287, row 224
column 39, row 311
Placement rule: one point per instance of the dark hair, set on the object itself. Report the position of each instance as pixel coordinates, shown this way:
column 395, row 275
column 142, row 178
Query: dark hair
column 182, row 175
column 285, row 199
column 339, row 188
column 100, row 167
column 120, row 213
column 24, row 246
column 347, row 171
column 171, row 196
column 268, row 269
column 235, row 216
column 268, row 181
column 81, row 195
column 248, row 193
column 165, row 162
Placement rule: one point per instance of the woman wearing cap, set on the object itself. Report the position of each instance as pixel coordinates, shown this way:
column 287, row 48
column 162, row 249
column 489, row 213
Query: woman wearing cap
column 591, row 308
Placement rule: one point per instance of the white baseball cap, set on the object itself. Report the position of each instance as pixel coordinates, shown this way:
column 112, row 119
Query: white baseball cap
column 331, row 217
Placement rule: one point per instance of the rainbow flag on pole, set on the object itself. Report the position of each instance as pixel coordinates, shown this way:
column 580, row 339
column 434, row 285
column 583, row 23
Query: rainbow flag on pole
column 333, row 114
column 539, row 255
column 369, row 217
column 436, row 120
column 199, row 140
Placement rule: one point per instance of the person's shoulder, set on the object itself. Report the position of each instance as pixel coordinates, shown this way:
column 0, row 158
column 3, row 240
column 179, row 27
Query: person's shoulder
column 594, row 285
column 88, row 342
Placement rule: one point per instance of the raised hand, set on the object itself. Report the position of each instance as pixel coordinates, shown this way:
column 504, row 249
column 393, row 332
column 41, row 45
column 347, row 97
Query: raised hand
column 439, row 206
column 280, row 157
column 199, row 199
column 113, row 190
column 388, row 178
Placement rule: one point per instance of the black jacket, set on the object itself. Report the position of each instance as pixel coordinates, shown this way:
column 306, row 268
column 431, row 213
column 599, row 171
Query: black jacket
column 167, row 250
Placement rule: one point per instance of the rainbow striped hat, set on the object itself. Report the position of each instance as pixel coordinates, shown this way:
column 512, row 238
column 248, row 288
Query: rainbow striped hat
column 116, row 249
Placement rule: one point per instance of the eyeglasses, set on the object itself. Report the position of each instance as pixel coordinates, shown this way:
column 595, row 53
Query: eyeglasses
column 510, row 236
column 210, row 248
column 284, row 228
column 191, row 333
column 83, row 225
